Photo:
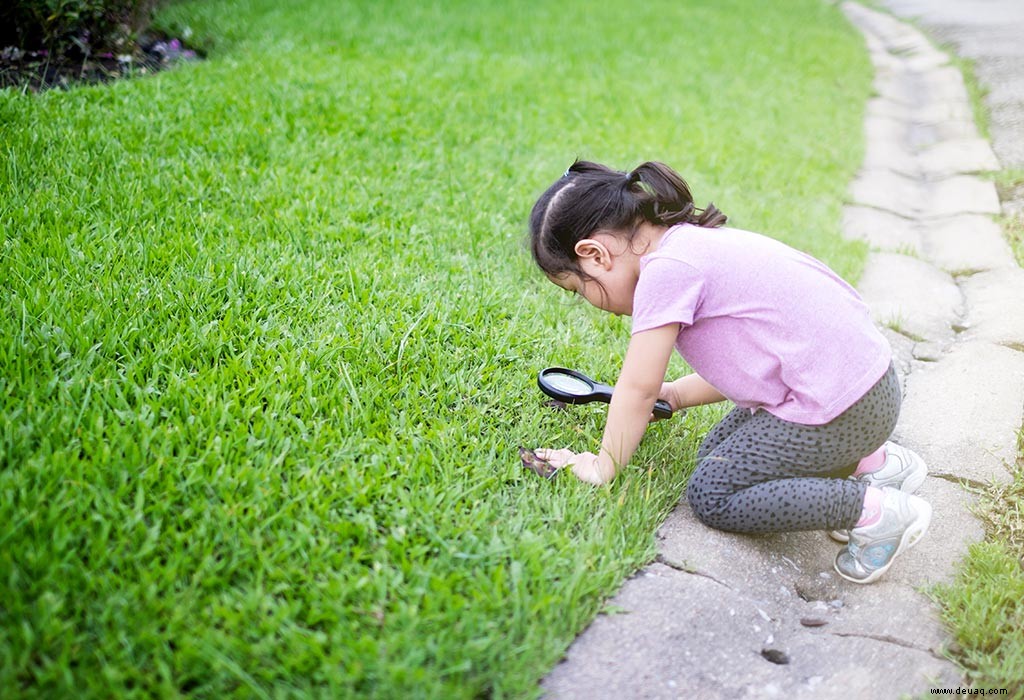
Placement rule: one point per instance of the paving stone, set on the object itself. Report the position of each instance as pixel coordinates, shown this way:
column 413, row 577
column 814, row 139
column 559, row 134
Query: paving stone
column 892, row 286
column 903, row 352
column 925, row 150
column 907, row 196
column 964, row 411
column 958, row 113
column 881, row 229
column 996, row 307
column 925, row 88
column 989, row 33
column 961, row 194
column 959, row 155
column 965, row 243
column 891, row 155
column 884, row 189
column 712, row 628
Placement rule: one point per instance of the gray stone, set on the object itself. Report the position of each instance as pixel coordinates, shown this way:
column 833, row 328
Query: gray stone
column 957, row 155
column 965, row 243
column 937, row 86
column 903, row 349
column 996, row 307
column 908, row 196
column 957, row 113
column 891, row 285
column 990, row 34
column 883, row 189
column 881, row 229
column 891, row 155
column 963, row 412
column 960, row 194
column 718, row 643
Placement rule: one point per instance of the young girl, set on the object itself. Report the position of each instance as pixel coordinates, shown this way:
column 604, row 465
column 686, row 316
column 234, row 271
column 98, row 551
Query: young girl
column 769, row 328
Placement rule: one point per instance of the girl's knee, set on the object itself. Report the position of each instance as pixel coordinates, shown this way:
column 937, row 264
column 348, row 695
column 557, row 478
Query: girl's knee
column 707, row 501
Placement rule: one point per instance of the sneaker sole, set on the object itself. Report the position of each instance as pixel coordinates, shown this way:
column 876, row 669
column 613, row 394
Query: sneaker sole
column 911, row 536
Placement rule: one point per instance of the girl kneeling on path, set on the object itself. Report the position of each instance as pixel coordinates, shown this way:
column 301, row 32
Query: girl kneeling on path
column 771, row 329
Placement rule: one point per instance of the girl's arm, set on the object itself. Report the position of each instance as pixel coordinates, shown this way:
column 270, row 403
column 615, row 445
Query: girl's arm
column 691, row 390
column 638, row 387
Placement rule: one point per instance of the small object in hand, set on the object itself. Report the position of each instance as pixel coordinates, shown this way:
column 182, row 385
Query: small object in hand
column 540, row 467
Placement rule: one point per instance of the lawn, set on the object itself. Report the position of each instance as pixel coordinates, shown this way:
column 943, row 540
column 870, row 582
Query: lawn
column 270, row 333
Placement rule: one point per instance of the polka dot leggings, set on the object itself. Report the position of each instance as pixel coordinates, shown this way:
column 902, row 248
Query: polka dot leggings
column 757, row 473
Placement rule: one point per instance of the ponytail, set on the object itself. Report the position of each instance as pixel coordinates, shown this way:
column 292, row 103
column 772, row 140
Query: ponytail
column 670, row 201
column 591, row 197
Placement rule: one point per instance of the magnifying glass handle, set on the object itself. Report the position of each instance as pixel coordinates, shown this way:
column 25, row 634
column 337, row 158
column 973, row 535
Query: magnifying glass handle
column 662, row 409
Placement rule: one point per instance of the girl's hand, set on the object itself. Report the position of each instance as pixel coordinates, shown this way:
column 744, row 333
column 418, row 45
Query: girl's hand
column 584, row 465
column 669, row 395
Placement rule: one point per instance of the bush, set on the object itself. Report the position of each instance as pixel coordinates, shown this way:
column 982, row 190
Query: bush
column 67, row 26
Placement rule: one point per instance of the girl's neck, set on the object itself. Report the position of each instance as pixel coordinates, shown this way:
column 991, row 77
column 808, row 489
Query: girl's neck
column 649, row 237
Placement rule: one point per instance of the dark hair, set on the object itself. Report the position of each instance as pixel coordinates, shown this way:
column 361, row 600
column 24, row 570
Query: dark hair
column 591, row 197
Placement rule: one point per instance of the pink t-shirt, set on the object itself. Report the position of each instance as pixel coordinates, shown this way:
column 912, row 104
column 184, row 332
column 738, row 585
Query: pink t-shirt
column 768, row 326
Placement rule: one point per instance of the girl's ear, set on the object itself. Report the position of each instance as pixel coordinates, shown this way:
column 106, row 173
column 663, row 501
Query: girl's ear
column 589, row 249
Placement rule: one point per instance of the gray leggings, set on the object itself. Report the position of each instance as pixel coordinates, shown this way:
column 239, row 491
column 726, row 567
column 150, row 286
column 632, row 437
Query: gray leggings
column 758, row 473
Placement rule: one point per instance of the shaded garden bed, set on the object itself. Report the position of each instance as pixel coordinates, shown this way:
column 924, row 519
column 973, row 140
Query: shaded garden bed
column 41, row 69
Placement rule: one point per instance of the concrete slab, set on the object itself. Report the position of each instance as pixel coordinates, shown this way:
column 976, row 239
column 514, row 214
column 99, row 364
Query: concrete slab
column 988, row 32
column 904, row 353
column 996, row 307
column 961, row 194
column 891, row 285
column 957, row 155
column 721, row 644
column 891, row 155
column 957, row 113
column 883, row 189
column 882, row 230
column 963, row 412
column 908, row 196
column 965, row 243
column 933, row 87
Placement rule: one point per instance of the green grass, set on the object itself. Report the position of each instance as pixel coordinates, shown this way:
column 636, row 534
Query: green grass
column 984, row 606
column 271, row 332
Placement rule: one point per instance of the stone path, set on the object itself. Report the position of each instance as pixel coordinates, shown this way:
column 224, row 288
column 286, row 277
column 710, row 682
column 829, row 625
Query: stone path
column 732, row 616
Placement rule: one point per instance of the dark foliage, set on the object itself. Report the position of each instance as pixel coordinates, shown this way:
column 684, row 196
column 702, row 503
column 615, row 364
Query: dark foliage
column 63, row 27
column 58, row 43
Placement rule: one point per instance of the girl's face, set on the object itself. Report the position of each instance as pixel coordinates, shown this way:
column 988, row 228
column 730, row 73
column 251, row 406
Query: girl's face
column 608, row 290
column 611, row 267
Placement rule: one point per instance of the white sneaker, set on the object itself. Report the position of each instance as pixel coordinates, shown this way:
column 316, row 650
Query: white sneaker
column 872, row 548
column 903, row 470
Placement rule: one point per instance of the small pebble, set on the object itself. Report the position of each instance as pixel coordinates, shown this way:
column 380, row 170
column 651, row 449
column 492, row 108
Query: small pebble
column 776, row 656
column 812, row 622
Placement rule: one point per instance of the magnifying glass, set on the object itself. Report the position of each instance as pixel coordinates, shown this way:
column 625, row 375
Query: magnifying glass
column 570, row 386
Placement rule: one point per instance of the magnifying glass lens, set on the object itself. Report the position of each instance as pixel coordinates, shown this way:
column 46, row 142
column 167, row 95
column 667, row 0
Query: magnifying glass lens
column 568, row 384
